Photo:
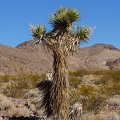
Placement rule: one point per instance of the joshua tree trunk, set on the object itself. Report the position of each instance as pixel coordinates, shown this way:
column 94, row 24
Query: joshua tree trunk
column 59, row 91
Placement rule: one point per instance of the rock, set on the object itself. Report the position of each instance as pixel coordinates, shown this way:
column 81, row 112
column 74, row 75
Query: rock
column 6, row 118
column 20, row 105
column 1, row 118
column 76, row 111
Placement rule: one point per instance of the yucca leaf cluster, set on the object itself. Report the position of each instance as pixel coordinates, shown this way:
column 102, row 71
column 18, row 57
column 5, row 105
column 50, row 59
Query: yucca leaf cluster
column 37, row 31
column 84, row 33
column 63, row 18
column 62, row 22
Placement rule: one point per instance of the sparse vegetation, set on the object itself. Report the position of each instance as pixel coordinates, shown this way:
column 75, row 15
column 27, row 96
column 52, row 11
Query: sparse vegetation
column 94, row 97
column 17, row 85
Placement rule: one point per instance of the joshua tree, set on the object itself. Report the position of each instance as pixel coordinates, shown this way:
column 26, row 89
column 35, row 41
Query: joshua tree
column 63, row 39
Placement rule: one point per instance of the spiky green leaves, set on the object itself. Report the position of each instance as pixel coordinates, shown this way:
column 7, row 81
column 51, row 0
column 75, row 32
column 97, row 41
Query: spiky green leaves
column 64, row 33
column 84, row 33
column 63, row 18
column 37, row 31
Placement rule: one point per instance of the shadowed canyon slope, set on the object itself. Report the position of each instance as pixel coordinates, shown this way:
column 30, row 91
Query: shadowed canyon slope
column 35, row 58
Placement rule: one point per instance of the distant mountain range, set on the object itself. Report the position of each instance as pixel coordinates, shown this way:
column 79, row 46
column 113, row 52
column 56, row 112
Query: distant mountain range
column 36, row 58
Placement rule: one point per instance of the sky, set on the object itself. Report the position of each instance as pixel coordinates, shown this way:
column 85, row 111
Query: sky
column 16, row 16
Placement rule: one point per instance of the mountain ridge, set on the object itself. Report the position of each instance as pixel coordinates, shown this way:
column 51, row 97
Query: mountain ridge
column 36, row 58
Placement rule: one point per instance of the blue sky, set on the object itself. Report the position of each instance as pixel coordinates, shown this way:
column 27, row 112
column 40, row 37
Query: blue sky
column 16, row 16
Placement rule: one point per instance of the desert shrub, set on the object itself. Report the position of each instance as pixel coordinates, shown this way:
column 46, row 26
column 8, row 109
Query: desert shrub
column 111, row 79
column 89, row 96
column 5, row 78
column 101, row 116
column 113, row 102
column 101, row 72
column 80, row 72
column 6, row 106
column 93, row 96
column 90, row 116
column 110, row 116
column 74, row 81
column 20, row 83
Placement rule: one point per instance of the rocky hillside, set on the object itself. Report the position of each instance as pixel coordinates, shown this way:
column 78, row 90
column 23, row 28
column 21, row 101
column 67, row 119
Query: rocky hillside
column 36, row 58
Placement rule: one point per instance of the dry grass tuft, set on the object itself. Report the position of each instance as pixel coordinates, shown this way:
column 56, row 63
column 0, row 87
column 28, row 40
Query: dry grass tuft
column 110, row 116
column 101, row 116
column 7, row 107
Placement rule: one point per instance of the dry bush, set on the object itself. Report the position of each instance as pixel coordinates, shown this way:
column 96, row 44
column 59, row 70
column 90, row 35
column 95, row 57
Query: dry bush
column 92, row 96
column 110, row 116
column 22, row 112
column 80, row 73
column 32, row 93
column 74, row 81
column 90, row 116
column 107, row 81
column 20, row 83
column 7, row 107
column 101, row 116
column 35, row 97
column 113, row 103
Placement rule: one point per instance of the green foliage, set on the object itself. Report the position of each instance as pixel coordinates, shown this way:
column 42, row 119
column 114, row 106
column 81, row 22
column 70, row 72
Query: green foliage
column 86, row 90
column 65, row 33
column 37, row 31
column 5, row 78
column 74, row 81
column 84, row 33
column 80, row 72
column 64, row 17
column 91, row 97
column 110, row 79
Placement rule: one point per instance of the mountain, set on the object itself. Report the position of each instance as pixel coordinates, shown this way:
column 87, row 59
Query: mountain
column 36, row 58
column 27, row 56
